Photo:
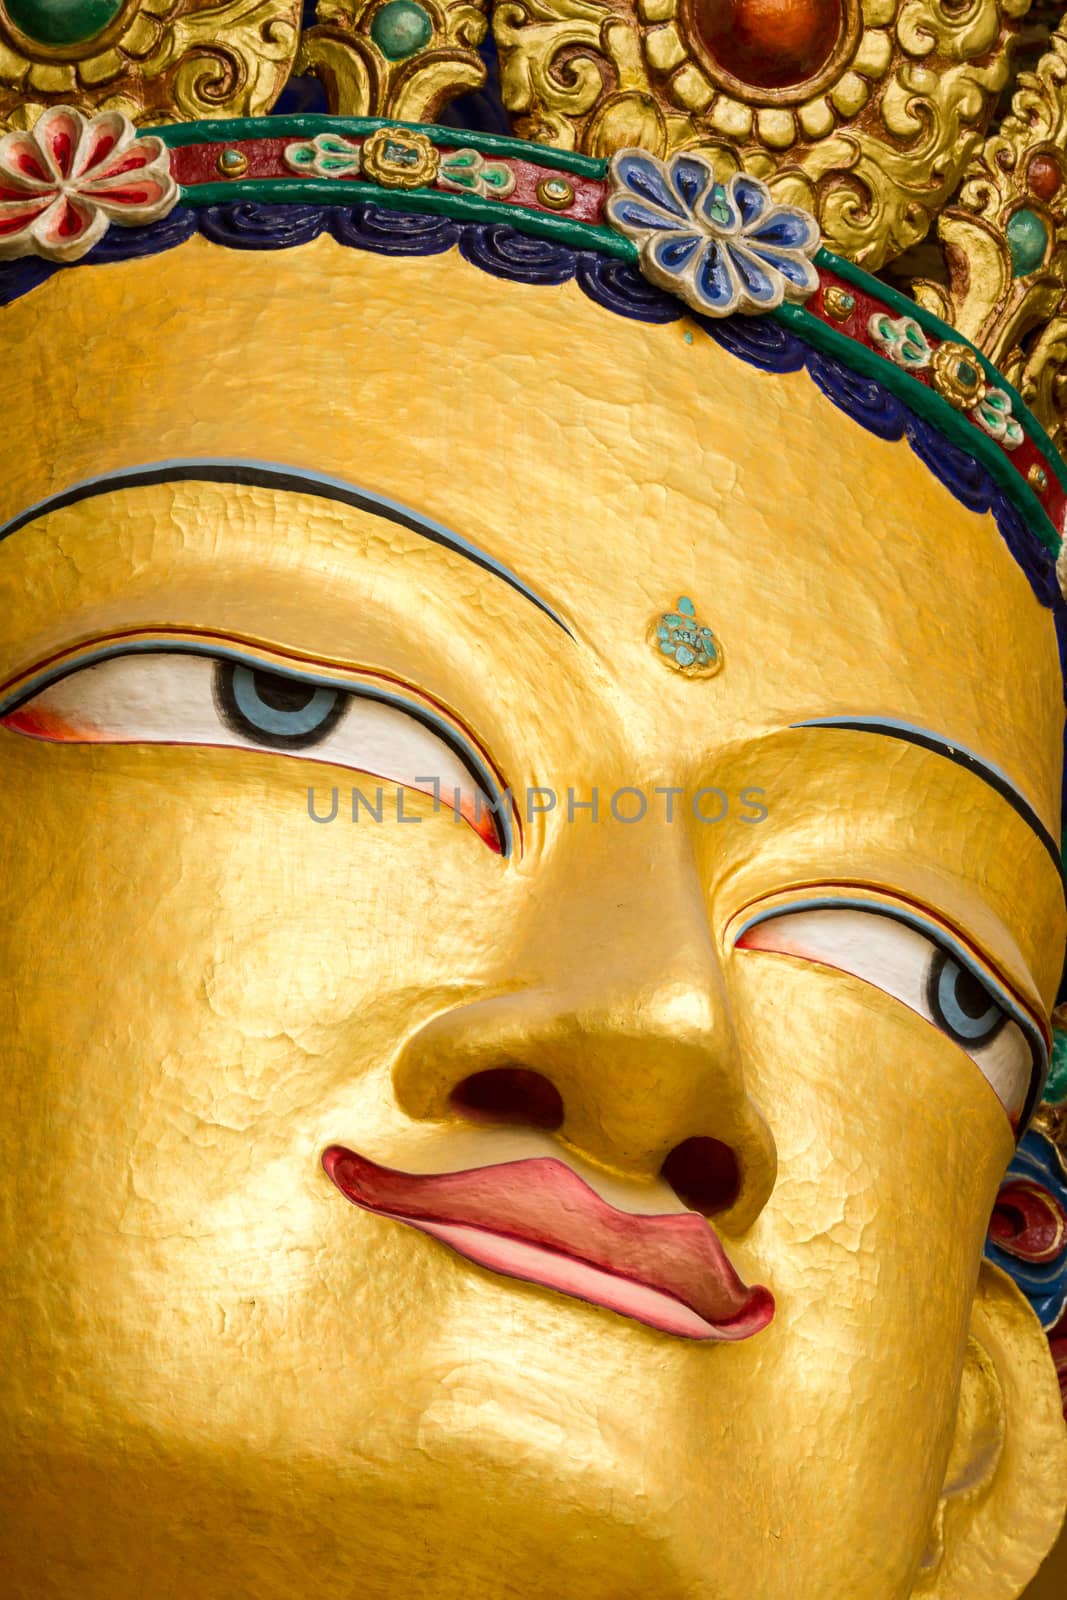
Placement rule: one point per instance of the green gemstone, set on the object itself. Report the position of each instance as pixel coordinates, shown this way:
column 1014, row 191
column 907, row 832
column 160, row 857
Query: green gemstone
column 1057, row 1082
column 62, row 21
column 1027, row 241
column 401, row 28
column 967, row 374
column 719, row 207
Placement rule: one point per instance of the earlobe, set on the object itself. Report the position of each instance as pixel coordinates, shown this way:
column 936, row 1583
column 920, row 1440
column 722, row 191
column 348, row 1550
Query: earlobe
column 1005, row 1490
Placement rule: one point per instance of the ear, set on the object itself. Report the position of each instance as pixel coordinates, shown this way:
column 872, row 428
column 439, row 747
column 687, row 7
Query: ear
column 1005, row 1490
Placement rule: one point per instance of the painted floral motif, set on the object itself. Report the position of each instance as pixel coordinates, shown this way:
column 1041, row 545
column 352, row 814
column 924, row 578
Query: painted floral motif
column 325, row 156
column 958, row 376
column 1028, row 1230
column 687, row 643
column 902, row 340
column 400, row 158
column 64, row 183
column 469, row 172
column 721, row 248
column 395, row 158
column 995, row 415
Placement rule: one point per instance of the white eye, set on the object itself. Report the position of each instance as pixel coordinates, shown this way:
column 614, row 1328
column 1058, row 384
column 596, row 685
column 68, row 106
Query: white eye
column 166, row 697
column 941, row 983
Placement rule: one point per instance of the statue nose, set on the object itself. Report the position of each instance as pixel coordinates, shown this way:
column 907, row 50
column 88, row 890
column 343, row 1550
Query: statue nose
column 703, row 1172
column 509, row 1096
column 615, row 1036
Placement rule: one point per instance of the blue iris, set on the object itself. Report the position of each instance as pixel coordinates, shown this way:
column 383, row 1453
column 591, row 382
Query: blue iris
column 274, row 709
column 961, row 1004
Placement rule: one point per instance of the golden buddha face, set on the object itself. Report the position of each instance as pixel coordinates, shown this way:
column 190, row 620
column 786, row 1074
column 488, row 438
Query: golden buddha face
column 727, row 1067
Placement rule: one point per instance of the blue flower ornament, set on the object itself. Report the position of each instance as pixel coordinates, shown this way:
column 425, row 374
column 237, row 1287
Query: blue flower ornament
column 719, row 247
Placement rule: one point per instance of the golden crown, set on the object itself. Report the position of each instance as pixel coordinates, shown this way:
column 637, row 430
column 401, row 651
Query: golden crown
column 926, row 137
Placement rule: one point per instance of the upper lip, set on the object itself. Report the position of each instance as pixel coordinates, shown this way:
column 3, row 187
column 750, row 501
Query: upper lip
column 668, row 1271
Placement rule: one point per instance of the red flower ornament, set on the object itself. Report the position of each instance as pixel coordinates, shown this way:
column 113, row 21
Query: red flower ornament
column 63, row 184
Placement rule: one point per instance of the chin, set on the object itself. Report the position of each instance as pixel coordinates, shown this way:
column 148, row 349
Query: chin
column 458, row 1525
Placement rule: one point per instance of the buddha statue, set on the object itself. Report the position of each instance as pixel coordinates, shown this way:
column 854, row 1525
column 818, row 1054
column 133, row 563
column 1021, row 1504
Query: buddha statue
column 531, row 902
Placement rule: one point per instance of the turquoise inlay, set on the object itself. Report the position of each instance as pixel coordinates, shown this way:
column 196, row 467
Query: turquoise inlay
column 62, row 22
column 686, row 641
column 438, row 202
column 927, row 403
column 900, row 303
column 401, row 28
column 1027, row 238
column 604, row 239
column 229, row 130
column 496, row 798
column 719, row 208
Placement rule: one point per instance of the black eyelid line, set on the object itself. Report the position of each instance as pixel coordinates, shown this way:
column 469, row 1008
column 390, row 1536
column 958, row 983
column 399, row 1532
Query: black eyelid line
column 214, row 651
column 944, row 939
column 296, row 480
column 991, row 775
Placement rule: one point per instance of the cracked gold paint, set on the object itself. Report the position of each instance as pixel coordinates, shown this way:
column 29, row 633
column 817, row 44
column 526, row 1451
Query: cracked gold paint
column 219, row 1380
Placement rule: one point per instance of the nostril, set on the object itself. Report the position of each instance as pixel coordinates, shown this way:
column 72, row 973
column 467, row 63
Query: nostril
column 703, row 1174
column 509, row 1094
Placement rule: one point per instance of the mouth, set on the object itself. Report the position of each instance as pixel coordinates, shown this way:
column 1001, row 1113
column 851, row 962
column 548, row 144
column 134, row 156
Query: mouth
column 538, row 1221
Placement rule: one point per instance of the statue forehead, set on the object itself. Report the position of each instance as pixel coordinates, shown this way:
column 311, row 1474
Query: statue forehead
column 647, row 463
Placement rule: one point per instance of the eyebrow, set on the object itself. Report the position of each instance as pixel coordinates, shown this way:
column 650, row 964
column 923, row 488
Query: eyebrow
column 296, row 480
column 991, row 775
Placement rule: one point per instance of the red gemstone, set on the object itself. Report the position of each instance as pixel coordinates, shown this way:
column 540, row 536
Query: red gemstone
column 1044, row 176
column 770, row 44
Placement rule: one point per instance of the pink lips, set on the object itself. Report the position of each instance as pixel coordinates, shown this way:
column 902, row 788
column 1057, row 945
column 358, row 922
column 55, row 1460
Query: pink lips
column 538, row 1220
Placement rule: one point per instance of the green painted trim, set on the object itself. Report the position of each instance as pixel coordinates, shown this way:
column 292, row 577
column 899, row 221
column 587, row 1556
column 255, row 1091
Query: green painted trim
column 1056, row 1087
column 582, row 235
column 932, row 323
column 588, row 236
column 438, row 202
column 927, row 403
column 231, row 130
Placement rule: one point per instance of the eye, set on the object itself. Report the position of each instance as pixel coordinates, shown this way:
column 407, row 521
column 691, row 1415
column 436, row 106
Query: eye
column 961, row 1006
column 904, row 957
column 273, row 709
column 173, row 697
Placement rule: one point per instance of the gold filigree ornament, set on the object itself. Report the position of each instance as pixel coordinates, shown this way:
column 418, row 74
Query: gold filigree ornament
column 1005, row 244
column 157, row 61
column 863, row 111
column 957, row 375
column 399, row 158
column 395, row 58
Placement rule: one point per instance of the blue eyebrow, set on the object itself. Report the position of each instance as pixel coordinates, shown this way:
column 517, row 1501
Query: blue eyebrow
column 296, row 480
column 962, row 757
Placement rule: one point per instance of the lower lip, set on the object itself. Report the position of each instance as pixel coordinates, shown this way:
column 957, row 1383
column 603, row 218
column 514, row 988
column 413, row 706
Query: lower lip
column 534, row 1263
